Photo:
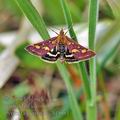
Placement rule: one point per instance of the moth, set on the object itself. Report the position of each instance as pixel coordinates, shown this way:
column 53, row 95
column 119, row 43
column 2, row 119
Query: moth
column 60, row 48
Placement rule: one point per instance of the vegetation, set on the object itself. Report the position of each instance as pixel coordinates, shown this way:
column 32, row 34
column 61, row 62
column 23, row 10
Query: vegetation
column 43, row 91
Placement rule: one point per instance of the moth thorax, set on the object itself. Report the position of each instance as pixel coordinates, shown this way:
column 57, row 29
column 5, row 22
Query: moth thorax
column 61, row 48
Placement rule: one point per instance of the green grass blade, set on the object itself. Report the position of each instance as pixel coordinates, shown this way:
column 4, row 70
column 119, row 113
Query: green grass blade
column 73, row 35
column 84, row 76
column 81, row 65
column 68, row 18
column 93, row 16
column 115, row 6
column 75, row 12
column 72, row 100
column 32, row 14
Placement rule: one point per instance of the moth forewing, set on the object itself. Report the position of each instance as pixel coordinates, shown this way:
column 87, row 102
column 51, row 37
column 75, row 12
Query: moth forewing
column 42, row 48
column 80, row 52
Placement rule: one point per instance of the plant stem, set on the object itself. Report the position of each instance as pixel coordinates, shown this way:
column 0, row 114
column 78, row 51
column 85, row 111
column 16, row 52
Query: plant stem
column 68, row 18
column 32, row 14
column 77, row 114
column 81, row 65
column 84, row 76
column 93, row 16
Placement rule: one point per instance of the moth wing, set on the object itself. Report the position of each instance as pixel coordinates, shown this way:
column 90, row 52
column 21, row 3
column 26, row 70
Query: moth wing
column 51, row 56
column 42, row 48
column 79, row 52
column 70, row 58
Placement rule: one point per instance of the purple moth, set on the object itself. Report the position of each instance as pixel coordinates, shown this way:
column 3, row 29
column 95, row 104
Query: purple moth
column 60, row 48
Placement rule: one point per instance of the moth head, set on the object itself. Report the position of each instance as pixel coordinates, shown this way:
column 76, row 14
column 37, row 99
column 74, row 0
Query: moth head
column 62, row 32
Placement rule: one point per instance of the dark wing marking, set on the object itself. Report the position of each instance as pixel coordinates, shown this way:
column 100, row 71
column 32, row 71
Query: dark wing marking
column 79, row 52
column 42, row 48
column 69, row 57
column 51, row 56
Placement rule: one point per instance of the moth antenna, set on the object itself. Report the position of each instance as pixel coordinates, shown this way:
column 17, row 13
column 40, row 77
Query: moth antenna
column 57, row 28
column 68, row 29
column 54, row 31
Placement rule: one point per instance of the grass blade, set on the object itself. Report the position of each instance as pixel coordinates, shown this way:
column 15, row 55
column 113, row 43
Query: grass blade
column 68, row 19
column 32, row 14
column 115, row 6
column 72, row 99
column 81, row 65
column 93, row 16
